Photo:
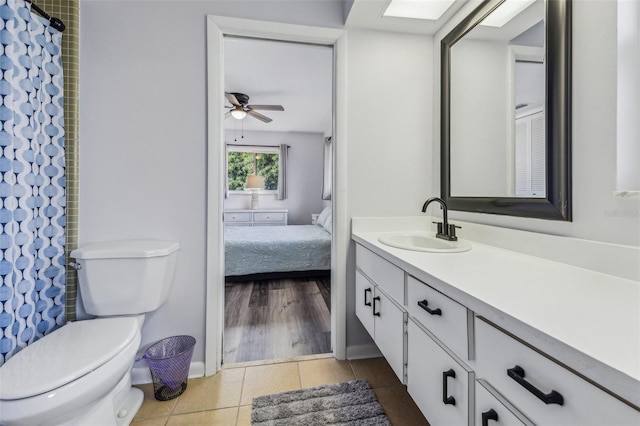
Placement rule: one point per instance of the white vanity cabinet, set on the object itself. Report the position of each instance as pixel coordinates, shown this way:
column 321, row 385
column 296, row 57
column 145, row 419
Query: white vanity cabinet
column 543, row 390
column 383, row 317
column 463, row 369
column 441, row 384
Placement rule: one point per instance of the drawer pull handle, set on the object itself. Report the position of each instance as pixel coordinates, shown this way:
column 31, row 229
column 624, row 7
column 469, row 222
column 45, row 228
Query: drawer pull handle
column 447, row 399
column 377, row 314
column 366, row 290
column 553, row 397
column 425, row 305
column 489, row 415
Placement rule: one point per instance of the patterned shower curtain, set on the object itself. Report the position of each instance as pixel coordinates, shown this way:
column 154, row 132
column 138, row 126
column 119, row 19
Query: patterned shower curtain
column 32, row 184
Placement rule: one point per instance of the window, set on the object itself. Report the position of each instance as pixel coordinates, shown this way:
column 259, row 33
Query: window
column 246, row 160
column 628, row 126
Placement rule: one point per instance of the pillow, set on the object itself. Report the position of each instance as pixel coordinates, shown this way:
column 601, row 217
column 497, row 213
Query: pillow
column 322, row 218
column 328, row 224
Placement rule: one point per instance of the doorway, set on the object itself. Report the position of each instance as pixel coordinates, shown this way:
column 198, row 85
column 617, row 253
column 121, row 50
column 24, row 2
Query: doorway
column 277, row 255
column 217, row 28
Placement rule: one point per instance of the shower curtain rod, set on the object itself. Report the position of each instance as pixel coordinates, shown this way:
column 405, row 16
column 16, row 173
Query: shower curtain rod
column 54, row 22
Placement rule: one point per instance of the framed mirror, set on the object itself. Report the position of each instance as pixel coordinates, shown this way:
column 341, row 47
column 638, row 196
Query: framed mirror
column 506, row 110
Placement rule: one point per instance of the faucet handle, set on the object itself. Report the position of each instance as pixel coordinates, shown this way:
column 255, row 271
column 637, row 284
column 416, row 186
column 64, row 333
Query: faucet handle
column 439, row 227
column 452, row 231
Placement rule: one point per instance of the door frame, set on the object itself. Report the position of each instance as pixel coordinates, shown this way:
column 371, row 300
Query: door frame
column 217, row 28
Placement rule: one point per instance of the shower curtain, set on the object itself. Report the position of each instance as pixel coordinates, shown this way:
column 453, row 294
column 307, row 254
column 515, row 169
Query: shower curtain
column 32, row 184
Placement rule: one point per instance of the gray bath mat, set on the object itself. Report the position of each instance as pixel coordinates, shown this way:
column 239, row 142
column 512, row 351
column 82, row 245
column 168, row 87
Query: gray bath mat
column 349, row 403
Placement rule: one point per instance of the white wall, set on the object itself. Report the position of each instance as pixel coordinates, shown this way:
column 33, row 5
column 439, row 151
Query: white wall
column 389, row 112
column 480, row 125
column 304, row 174
column 597, row 214
column 143, row 124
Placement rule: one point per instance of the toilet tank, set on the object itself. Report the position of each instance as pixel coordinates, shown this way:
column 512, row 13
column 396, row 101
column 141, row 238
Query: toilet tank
column 125, row 277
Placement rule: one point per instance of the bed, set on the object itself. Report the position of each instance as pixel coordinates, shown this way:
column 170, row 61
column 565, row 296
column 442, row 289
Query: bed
column 263, row 252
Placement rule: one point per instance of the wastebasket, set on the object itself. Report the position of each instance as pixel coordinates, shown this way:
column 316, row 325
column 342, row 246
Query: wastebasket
column 169, row 361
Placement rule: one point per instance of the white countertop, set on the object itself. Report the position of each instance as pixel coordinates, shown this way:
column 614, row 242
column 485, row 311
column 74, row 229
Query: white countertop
column 591, row 317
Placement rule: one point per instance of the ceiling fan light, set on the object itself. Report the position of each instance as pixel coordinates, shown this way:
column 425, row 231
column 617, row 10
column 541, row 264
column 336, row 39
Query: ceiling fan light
column 238, row 113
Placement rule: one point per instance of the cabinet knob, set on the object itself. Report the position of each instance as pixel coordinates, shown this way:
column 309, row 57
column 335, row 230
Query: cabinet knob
column 366, row 290
column 489, row 415
column 553, row 397
column 424, row 304
column 377, row 298
column 446, row 398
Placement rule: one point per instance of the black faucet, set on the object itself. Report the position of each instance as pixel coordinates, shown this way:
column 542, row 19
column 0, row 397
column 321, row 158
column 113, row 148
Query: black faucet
column 446, row 231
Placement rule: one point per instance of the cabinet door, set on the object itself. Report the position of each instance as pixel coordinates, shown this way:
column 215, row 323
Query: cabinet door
column 364, row 302
column 440, row 386
column 389, row 323
column 493, row 410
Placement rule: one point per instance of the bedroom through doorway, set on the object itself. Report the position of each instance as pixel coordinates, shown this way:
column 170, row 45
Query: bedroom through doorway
column 277, row 206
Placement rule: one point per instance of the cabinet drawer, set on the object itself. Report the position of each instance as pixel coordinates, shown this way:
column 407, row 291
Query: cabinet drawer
column 268, row 217
column 441, row 386
column 493, row 409
column 383, row 273
column 519, row 373
column 444, row 317
column 237, row 217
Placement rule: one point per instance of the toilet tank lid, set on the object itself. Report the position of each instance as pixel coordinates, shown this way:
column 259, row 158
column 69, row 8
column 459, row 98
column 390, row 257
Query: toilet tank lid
column 125, row 249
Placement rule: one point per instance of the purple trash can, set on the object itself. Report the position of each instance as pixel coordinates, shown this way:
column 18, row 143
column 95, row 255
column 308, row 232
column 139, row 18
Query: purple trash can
column 169, row 361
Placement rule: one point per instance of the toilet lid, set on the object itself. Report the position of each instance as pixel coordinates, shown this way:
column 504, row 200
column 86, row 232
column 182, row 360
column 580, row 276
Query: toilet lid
column 65, row 355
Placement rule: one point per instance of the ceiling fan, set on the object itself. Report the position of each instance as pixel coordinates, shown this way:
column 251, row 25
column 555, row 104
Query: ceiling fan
column 241, row 107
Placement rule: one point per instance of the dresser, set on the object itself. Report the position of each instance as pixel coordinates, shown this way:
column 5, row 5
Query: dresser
column 262, row 217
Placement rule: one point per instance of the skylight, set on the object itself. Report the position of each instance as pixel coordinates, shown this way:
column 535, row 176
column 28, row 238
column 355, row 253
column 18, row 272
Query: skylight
column 417, row 9
column 506, row 12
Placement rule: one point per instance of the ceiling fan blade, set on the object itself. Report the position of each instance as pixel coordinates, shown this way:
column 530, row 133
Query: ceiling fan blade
column 259, row 116
column 232, row 98
column 267, row 107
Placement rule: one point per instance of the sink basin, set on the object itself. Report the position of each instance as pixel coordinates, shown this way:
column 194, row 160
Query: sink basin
column 423, row 241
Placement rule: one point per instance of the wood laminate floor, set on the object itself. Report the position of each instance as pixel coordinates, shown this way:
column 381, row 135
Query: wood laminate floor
column 276, row 319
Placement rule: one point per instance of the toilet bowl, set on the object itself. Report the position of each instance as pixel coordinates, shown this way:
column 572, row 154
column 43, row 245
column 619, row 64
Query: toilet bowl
column 80, row 364
column 80, row 374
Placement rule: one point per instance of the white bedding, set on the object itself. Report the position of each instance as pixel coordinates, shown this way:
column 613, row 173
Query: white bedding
column 267, row 249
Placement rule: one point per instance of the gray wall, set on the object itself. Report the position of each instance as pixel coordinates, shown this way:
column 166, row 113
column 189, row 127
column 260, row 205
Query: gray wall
column 144, row 124
column 304, row 174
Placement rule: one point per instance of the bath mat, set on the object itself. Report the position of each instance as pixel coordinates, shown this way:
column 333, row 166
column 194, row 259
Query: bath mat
column 349, row 403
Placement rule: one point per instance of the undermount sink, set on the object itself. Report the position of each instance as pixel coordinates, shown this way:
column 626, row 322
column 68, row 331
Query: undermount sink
column 423, row 241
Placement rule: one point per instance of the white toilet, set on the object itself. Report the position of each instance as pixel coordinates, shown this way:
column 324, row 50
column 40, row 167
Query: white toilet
column 80, row 374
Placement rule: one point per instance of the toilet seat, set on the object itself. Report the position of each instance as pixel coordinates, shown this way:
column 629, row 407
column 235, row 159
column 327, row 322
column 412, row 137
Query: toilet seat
column 65, row 355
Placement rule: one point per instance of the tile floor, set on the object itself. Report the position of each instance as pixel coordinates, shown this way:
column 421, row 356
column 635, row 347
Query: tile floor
column 225, row 399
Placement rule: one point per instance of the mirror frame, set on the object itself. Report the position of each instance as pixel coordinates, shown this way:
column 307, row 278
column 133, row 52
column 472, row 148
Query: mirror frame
column 557, row 204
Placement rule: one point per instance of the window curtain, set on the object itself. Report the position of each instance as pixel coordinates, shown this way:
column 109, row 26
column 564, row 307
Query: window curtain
column 32, row 185
column 282, row 172
column 328, row 168
column 226, row 172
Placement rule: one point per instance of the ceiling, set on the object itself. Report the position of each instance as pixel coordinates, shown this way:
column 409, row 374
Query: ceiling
column 295, row 75
column 367, row 14
column 299, row 76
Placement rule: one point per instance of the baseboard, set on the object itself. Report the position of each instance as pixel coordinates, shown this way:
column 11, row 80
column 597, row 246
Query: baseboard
column 142, row 375
column 369, row 350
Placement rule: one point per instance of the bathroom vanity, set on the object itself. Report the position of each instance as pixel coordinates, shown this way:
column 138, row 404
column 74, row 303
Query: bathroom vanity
column 495, row 336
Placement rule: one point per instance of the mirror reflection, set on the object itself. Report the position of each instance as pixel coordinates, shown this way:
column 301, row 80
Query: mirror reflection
column 497, row 105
